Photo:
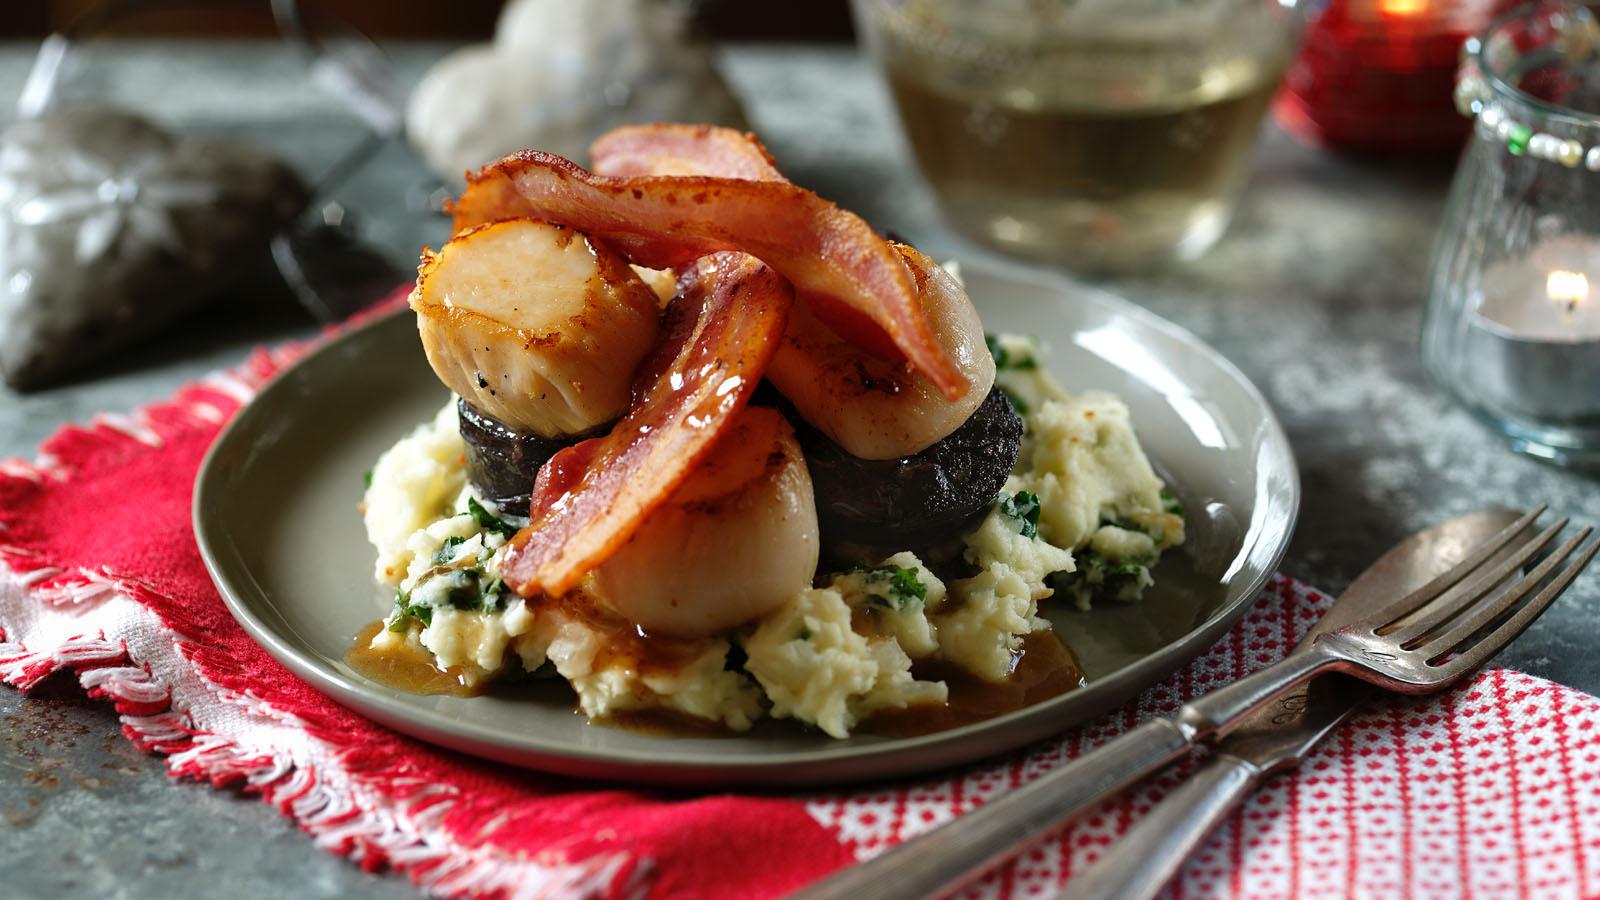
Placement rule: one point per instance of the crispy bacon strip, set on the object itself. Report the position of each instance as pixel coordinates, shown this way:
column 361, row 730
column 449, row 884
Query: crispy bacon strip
column 835, row 261
column 721, row 330
column 666, row 149
column 663, row 149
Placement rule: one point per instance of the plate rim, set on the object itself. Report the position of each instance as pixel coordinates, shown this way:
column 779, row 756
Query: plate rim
column 663, row 765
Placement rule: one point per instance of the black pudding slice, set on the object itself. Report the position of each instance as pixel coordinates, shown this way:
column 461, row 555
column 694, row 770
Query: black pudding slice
column 919, row 500
column 501, row 461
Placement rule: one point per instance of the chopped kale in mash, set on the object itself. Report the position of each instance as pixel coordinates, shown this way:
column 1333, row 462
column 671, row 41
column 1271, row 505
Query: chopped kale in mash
column 467, row 588
column 488, row 521
column 1010, row 355
column 1022, row 508
column 447, row 550
column 404, row 613
column 891, row 587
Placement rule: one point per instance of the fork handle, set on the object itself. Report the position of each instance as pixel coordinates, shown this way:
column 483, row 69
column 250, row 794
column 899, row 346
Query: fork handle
column 1142, row 861
column 940, row 861
column 937, row 863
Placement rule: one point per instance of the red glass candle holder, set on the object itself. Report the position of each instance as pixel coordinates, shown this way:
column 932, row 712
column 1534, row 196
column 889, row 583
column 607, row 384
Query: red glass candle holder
column 1377, row 75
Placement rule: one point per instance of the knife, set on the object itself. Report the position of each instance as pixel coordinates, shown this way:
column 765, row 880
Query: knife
column 1280, row 735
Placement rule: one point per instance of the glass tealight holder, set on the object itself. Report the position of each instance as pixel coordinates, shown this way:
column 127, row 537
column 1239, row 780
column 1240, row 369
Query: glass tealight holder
column 1513, row 319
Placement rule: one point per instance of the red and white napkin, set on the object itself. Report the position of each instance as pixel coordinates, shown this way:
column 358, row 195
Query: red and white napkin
column 1492, row 790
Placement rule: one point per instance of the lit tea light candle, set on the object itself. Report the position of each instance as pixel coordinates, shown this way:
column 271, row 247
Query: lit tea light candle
column 1567, row 288
column 1537, row 330
column 1402, row 9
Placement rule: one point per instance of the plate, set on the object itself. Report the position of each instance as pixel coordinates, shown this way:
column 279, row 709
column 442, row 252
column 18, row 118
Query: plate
column 275, row 514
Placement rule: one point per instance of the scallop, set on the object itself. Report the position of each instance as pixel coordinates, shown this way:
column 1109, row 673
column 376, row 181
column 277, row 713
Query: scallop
column 535, row 325
column 735, row 541
column 875, row 408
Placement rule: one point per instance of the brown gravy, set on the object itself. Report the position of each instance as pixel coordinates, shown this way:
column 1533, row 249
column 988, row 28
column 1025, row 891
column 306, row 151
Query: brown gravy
column 1044, row 668
column 408, row 669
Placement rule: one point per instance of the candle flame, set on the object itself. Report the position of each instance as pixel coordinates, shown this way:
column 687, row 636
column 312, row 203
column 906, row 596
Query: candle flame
column 1402, row 9
column 1570, row 288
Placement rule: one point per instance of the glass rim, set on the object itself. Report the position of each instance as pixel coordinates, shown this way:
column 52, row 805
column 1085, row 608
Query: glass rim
column 1497, row 81
column 1296, row 10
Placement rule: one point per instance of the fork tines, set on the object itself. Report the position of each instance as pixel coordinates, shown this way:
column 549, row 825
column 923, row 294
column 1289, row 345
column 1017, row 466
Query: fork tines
column 1447, row 622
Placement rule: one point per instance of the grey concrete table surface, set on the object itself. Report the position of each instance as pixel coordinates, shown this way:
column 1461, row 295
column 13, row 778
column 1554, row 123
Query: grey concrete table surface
column 1315, row 292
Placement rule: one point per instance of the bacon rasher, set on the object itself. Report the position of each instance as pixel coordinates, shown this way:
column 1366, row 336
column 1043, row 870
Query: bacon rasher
column 849, row 275
column 873, row 408
column 720, row 332
column 666, row 149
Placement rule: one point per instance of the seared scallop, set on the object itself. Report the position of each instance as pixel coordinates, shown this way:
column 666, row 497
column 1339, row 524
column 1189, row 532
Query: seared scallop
column 873, row 407
column 735, row 541
column 535, row 325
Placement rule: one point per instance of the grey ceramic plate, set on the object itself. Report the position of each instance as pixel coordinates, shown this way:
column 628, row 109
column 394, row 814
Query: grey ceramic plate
column 275, row 514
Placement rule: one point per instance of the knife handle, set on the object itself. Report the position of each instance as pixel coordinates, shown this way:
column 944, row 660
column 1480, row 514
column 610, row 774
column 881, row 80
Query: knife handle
column 1141, row 863
column 937, row 863
column 940, row 861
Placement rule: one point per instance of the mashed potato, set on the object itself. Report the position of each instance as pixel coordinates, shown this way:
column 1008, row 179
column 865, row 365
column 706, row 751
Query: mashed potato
column 1083, row 513
column 814, row 666
column 1098, row 495
column 414, row 483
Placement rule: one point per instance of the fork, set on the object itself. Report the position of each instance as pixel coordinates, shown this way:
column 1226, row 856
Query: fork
column 1420, row 643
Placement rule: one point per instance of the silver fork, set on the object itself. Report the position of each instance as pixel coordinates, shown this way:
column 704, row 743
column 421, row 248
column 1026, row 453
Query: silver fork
column 1420, row 643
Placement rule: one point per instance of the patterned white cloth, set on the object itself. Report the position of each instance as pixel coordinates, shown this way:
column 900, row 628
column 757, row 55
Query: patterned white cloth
column 1492, row 790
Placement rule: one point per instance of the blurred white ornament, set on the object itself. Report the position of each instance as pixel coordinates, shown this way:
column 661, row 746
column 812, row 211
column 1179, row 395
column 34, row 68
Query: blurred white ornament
column 557, row 75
